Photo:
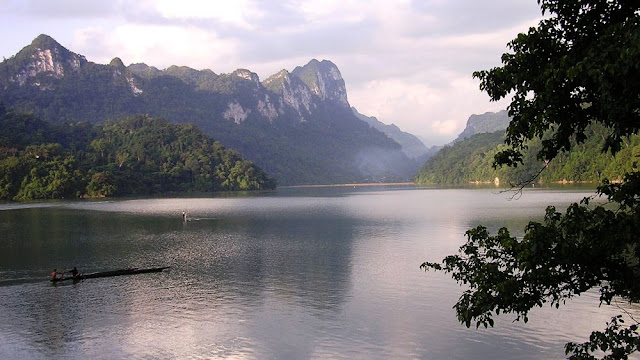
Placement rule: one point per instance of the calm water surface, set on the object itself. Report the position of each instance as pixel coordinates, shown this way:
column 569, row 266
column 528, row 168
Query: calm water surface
column 329, row 273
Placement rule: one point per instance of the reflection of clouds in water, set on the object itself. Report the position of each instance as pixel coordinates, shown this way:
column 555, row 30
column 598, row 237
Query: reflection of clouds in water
column 328, row 276
column 216, row 207
column 18, row 206
column 408, row 233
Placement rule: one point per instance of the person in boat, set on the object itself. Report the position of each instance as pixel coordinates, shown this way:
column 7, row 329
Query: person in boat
column 74, row 273
column 55, row 275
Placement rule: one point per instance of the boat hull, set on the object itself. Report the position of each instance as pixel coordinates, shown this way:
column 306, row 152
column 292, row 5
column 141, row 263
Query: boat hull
column 120, row 272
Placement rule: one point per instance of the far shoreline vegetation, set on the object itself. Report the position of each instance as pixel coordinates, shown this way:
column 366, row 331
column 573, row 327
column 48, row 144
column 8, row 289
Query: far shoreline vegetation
column 471, row 161
column 135, row 156
column 362, row 184
column 141, row 156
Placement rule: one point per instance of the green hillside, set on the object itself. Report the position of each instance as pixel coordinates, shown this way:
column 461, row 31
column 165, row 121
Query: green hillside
column 471, row 160
column 136, row 156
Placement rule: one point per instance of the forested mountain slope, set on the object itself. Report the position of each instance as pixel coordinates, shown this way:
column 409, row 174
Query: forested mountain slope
column 298, row 126
column 471, row 160
column 135, row 156
column 411, row 145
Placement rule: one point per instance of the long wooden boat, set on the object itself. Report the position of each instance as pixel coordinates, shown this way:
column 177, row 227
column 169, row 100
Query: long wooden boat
column 120, row 272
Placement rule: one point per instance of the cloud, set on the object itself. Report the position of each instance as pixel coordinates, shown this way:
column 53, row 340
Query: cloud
column 407, row 62
column 434, row 104
column 240, row 13
column 159, row 46
column 68, row 9
column 465, row 17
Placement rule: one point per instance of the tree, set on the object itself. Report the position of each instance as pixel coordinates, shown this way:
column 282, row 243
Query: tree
column 134, row 156
column 101, row 185
column 579, row 66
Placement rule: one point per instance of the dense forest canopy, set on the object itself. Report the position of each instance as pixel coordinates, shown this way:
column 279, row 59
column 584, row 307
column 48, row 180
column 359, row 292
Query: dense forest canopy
column 578, row 68
column 471, row 161
column 136, row 156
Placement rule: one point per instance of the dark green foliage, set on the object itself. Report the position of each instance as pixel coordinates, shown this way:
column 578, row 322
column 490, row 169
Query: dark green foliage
column 562, row 257
column 472, row 160
column 38, row 172
column 618, row 340
column 135, row 156
column 102, row 184
column 466, row 161
column 202, row 79
column 577, row 71
column 580, row 65
column 142, row 155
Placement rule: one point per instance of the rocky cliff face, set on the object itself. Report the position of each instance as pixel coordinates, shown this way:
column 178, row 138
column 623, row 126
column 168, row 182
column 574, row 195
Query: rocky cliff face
column 485, row 123
column 324, row 80
column 281, row 95
column 293, row 92
column 298, row 125
column 45, row 56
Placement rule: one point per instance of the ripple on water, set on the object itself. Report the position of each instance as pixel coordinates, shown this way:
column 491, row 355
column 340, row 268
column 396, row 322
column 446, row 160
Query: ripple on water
column 281, row 277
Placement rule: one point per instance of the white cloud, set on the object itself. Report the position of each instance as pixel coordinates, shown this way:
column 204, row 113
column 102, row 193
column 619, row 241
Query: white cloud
column 60, row 9
column 396, row 101
column 159, row 46
column 436, row 110
column 406, row 62
column 321, row 11
column 241, row 13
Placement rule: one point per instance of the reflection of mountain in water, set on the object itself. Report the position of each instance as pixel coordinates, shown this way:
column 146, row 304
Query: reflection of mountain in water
column 274, row 277
column 308, row 259
column 303, row 258
column 239, row 258
column 42, row 238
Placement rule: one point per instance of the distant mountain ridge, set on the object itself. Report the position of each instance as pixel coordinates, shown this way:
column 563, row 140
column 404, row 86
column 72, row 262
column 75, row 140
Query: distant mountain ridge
column 411, row 145
column 469, row 159
column 488, row 122
column 298, row 126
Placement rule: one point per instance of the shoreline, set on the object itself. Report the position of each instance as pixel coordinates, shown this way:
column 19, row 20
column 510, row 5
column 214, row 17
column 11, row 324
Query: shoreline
column 347, row 185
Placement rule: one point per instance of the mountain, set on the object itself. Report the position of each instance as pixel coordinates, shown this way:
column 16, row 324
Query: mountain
column 469, row 157
column 486, row 123
column 411, row 145
column 471, row 160
column 465, row 161
column 298, row 126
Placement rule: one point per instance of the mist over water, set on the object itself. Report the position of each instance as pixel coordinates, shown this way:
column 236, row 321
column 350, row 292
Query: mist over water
column 295, row 274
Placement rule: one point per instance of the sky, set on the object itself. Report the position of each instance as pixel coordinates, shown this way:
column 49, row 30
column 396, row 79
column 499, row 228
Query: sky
column 408, row 63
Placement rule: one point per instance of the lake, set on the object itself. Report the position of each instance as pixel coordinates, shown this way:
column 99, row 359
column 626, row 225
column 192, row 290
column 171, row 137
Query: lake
column 300, row 273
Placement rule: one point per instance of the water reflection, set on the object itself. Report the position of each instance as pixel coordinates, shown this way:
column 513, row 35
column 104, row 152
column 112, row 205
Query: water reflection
column 229, row 260
column 331, row 274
